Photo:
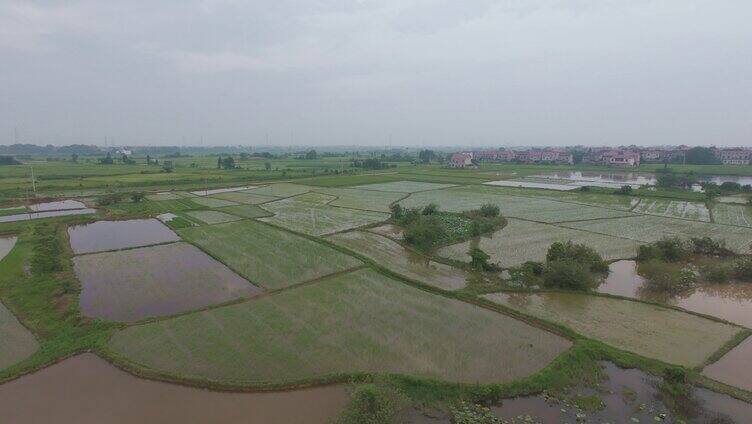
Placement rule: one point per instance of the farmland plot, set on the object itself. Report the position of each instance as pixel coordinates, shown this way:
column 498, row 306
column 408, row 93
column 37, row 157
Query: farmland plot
column 535, row 209
column 522, row 241
column 725, row 213
column 393, row 256
column 6, row 245
column 211, row 202
column 585, row 198
column 674, row 208
column 652, row 228
column 212, row 217
column 665, row 334
column 268, row 256
column 155, row 281
column 167, row 195
column 281, row 190
column 362, row 199
column 313, row 217
column 404, row 186
column 111, row 235
column 156, row 207
column 16, row 342
column 356, row 322
column 246, row 211
column 244, row 197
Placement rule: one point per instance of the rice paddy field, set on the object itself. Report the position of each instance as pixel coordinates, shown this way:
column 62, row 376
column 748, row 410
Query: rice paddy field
column 155, row 281
column 211, row 202
column 585, row 198
column 362, row 199
column 309, row 214
column 535, row 209
column 667, row 335
column 112, row 235
column 674, row 209
column 245, row 211
column 156, row 207
column 16, row 342
column 652, row 228
column 244, row 197
column 404, row 186
column 268, row 256
column 732, row 214
column 355, row 322
column 281, row 190
column 212, row 217
column 520, row 241
column 393, row 256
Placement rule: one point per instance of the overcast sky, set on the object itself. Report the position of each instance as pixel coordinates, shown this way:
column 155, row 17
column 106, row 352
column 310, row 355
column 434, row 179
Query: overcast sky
column 418, row 72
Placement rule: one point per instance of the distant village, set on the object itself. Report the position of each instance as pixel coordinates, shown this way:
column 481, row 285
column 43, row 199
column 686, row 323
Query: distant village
column 621, row 157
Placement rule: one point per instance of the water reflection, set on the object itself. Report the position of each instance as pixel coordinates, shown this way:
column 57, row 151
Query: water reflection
column 729, row 301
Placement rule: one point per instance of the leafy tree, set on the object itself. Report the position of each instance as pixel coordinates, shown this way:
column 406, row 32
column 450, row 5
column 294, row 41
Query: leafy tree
column 396, row 210
column 268, row 166
column 167, row 166
column 148, row 160
column 489, row 210
column 228, row 163
column 425, row 156
column 577, row 253
column 74, row 158
column 567, row 274
column 701, row 156
column 107, row 160
column 430, row 209
column 8, row 160
column 219, row 162
column 624, row 190
column 479, row 258
column 311, row 154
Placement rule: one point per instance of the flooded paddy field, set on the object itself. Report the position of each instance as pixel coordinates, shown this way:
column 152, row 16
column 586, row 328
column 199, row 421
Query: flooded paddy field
column 221, row 190
column 310, row 215
column 665, row 334
column 87, row 390
column 281, row 190
column 211, row 202
column 60, row 205
column 16, row 342
column 245, row 211
column 111, row 235
column 629, row 396
column 735, row 367
column 268, row 256
column 48, row 214
column 729, row 301
column 532, row 184
column 134, row 284
column 386, row 326
column 392, row 255
column 244, row 197
column 521, row 241
column 404, row 186
column 370, row 200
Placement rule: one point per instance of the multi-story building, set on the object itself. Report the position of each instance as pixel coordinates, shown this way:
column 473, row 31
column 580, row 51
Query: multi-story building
column 461, row 160
column 613, row 157
column 734, row 156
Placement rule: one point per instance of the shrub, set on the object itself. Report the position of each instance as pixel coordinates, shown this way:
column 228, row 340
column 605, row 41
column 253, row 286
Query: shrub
column 430, row 209
column 470, row 413
column 624, row 190
column 424, row 234
column 567, row 274
column 372, row 404
column 743, row 268
column 647, row 252
column 396, row 210
column 109, row 199
column 716, row 272
column 578, row 253
column 489, row 210
column 708, row 246
column 47, row 251
column 479, row 259
column 138, row 196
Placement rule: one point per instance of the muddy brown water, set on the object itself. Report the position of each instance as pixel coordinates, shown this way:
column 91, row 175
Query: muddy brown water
column 87, row 389
column 735, row 367
column 112, row 235
column 729, row 301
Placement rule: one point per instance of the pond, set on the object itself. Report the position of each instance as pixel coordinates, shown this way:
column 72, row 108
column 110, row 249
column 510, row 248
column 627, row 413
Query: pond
column 634, row 178
column 729, row 301
column 112, row 235
column 87, row 389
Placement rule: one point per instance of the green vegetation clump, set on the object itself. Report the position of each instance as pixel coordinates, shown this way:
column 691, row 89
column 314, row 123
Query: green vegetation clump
column 426, row 228
column 373, row 404
column 669, row 249
column 46, row 257
column 568, row 265
column 667, row 276
column 743, row 268
column 470, row 413
column 109, row 199
column 592, row 403
column 578, row 253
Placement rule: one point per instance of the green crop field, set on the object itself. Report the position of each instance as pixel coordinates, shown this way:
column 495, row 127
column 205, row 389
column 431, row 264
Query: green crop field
column 674, row 209
column 665, row 334
column 304, row 214
column 393, row 256
column 651, row 228
column 404, row 186
column 211, row 202
column 522, row 241
column 268, row 256
column 281, row 190
column 727, row 213
column 16, row 342
column 362, row 199
column 151, row 208
column 164, row 196
column 244, row 197
column 245, row 211
column 154, row 281
column 212, row 217
column 356, row 322
column 537, row 209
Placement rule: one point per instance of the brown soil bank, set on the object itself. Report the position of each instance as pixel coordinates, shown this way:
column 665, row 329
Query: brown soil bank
column 86, row 389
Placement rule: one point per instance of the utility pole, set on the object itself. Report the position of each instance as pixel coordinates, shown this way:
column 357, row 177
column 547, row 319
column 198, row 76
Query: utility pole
column 33, row 183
